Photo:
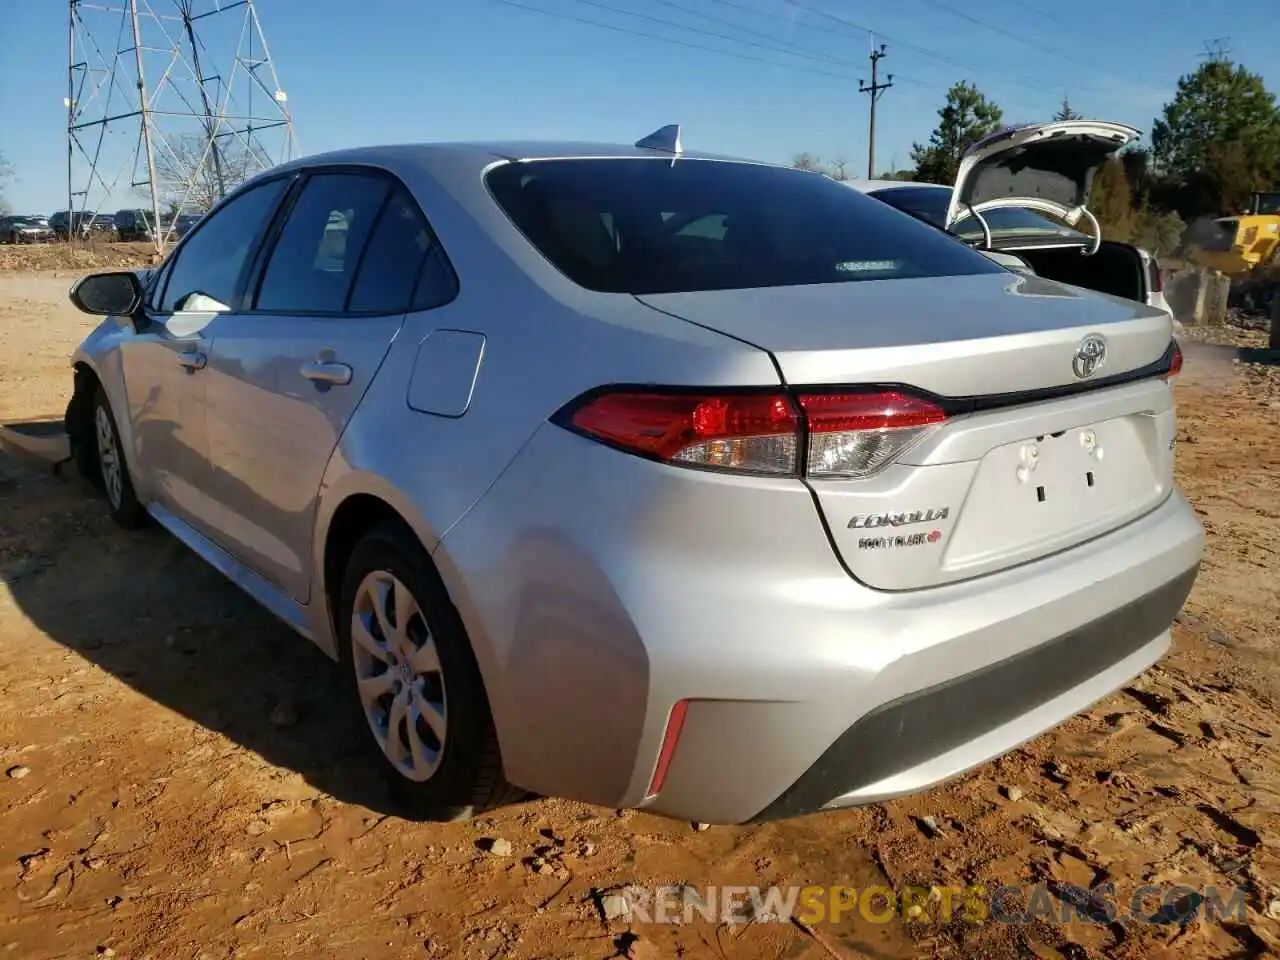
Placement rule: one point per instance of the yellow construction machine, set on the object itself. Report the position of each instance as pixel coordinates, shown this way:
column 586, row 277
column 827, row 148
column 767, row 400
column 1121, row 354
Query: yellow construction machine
column 1239, row 245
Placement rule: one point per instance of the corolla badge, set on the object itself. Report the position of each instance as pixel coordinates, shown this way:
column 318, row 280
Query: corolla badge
column 897, row 518
column 1090, row 356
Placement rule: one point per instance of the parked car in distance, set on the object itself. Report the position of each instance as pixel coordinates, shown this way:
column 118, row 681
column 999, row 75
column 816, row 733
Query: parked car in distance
column 86, row 224
column 25, row 228
column 184, row 223
column 644, row 477
column 1023, row 193
column 134, row 225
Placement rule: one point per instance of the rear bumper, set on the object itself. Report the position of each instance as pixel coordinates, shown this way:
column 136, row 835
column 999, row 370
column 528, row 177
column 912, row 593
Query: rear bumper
column 931, row 735
column 600, row 590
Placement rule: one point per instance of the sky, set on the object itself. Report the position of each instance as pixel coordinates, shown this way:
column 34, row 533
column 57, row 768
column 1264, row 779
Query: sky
column 764, row 79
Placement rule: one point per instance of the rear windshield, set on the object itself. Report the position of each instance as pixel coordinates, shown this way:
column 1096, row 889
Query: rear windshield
column 639, row 225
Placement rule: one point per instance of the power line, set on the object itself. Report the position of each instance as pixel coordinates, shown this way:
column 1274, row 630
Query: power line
column 672, row 40
column 1087, row 34
column 773, row 47
column 898, row 41
column 994, row 28
column 735, row 54
column 800, row 51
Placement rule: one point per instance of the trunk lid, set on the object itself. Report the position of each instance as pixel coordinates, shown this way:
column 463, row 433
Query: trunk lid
column 1047, row 167
column 1031, row 460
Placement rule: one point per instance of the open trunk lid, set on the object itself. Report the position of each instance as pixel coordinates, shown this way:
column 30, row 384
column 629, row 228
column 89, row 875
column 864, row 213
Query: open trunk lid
column 1047, row 167
column 1057, row 427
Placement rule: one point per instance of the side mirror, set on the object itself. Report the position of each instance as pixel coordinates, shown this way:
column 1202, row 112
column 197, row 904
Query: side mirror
column 115, row 294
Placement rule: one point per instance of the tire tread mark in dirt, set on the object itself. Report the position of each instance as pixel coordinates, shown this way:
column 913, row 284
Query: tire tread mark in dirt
column 1228, row 824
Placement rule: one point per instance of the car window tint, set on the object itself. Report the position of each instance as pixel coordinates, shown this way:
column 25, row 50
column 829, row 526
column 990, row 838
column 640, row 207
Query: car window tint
column 155, row 289
column 438, row 283
column 927, row 203
column 316, row 256
column 394, row 258
column 646, row 225
column 211, row 260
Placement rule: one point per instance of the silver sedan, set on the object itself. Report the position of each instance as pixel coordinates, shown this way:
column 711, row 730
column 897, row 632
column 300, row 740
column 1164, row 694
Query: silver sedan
column 648, row 478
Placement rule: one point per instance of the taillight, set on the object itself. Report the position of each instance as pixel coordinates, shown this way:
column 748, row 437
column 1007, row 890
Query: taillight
column 855, row 435
column 1175, row 362
column 1157, row 276
column 756, row 432
column 849, row 435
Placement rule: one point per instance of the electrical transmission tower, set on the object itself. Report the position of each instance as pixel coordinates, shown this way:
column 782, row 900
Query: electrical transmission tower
column 1217, row 50
column 170, row 105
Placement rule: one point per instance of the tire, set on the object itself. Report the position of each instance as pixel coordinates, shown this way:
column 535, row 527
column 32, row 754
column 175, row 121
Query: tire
column 450, row 777
column 108, row 468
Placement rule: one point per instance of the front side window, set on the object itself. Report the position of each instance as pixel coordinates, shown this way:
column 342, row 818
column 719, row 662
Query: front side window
column 210, row 261
column 651, row 225
column 315, row 258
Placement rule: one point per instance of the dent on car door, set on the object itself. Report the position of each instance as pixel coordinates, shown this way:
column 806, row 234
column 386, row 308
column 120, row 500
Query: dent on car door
column 163, row 365
column 286, row 376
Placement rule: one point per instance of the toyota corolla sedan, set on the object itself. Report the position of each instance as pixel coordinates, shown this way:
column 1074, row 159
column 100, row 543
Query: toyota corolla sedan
column 648, row 478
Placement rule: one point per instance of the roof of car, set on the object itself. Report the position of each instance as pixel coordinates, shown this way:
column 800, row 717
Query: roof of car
column 867, row 186
column 488, row 151
column 502, row 150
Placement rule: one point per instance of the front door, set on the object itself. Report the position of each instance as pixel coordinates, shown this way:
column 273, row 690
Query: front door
column 165, row 399
column 165, row 364
column 286, row 376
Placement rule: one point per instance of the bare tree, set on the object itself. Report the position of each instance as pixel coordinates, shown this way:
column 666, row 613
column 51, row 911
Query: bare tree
column 195, row 174
column 837, row 168
column 806, row 161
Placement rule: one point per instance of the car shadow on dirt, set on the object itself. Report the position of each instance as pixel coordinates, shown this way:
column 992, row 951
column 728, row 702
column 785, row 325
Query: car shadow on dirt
column 149, row 612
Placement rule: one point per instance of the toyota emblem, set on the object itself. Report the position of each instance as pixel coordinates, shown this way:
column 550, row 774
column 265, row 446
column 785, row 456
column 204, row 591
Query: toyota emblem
column 1090, row 356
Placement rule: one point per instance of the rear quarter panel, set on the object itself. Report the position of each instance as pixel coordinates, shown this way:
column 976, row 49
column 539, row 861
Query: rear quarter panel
column 546, row 342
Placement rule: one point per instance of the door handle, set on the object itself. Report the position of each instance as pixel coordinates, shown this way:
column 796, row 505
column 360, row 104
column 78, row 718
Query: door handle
column 327, row 371
column 192, row 360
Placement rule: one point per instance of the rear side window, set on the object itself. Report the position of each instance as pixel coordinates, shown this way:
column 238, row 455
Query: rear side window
column 641, row 225
column 319, row 248
column 397, row 256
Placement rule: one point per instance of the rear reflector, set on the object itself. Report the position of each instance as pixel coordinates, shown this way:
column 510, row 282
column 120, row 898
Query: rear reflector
column 851, row 435
column 675, row 724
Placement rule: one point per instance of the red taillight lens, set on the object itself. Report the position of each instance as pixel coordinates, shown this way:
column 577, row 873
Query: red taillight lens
column 1175, row 362
column 1157, row 276
column 753, row 432
column 855, row 435
column 850, row 435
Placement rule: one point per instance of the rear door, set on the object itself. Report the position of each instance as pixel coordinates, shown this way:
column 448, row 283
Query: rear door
column 286, row 375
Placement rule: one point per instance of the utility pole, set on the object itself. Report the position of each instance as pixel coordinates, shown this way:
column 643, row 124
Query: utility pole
column 876, row 90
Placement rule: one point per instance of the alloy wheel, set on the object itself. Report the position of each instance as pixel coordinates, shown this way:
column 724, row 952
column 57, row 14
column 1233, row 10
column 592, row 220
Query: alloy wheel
column 109, row 457
column 398, row 675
